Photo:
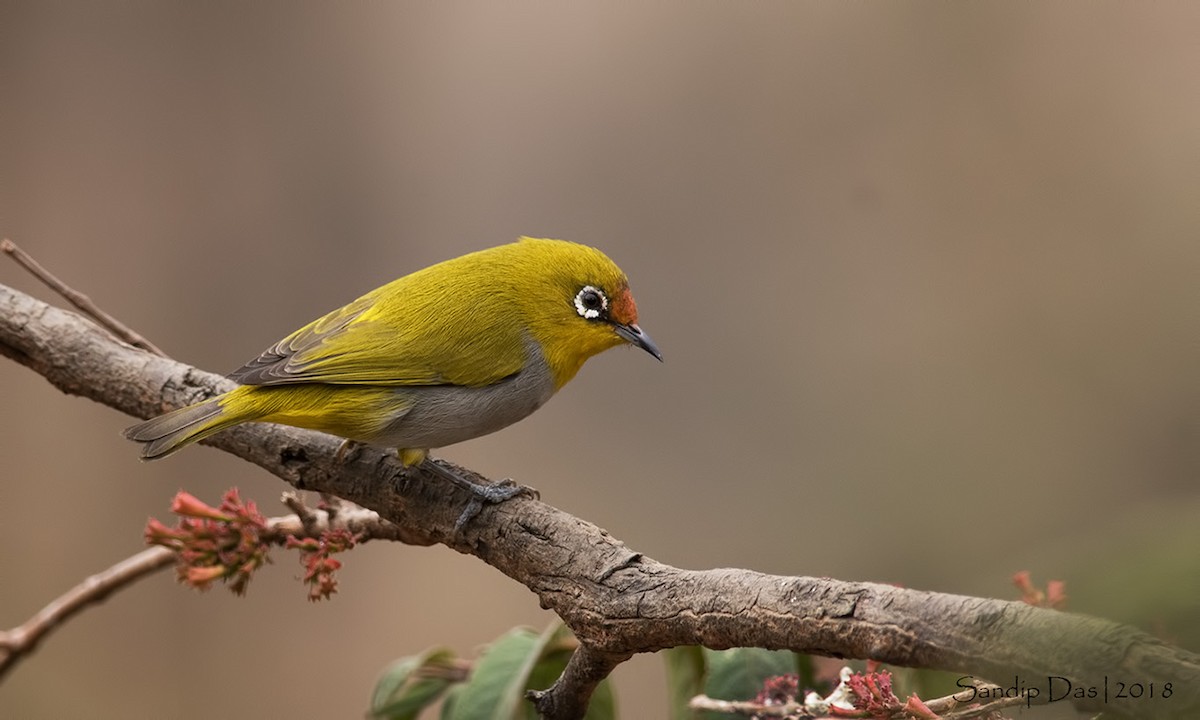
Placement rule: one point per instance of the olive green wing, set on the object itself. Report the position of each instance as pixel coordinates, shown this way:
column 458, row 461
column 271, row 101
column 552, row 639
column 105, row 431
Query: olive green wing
column 376, row 340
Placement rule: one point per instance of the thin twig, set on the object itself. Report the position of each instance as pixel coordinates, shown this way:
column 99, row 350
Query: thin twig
column 748, row 708
column 295, row 503
column 23, row 639
column 78, row 299
column 948, row 708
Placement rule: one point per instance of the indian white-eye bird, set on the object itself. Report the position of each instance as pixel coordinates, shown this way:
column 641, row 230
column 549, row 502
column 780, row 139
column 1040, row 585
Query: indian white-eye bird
column 457, row 350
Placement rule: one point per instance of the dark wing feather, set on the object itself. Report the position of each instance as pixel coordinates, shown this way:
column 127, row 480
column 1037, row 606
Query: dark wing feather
column 275, row 367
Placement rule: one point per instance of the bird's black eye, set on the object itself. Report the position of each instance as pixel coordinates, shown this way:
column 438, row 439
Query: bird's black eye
column 591, row 303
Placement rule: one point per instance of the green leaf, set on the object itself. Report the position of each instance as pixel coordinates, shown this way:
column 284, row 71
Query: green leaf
column 497, row 684
column 412, row 684
column 738, row 674
column 555, row 645
column 451, row 701
column 686, row 668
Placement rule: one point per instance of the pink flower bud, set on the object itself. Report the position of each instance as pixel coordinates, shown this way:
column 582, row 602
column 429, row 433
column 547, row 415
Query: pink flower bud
column 158, row 534
column 190, row 506
column 201, row 577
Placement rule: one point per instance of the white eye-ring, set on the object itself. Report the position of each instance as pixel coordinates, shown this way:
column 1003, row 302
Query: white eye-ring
column 591, row 302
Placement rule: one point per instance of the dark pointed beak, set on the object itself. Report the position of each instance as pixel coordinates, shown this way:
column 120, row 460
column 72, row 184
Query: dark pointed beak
column 633, row 334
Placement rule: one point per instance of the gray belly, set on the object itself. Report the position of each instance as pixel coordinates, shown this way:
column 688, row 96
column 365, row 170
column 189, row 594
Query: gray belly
column 441, row 415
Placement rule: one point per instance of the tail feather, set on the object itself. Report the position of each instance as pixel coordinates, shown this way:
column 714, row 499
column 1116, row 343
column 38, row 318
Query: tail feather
column 167, row 433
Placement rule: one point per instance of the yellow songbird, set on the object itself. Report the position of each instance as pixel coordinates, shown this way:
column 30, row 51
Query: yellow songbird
column 451, row 352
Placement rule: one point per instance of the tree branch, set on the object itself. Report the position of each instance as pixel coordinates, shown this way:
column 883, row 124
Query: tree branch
column 568, row 696
column 76, row 298
column 619, row 602
column 21, row 641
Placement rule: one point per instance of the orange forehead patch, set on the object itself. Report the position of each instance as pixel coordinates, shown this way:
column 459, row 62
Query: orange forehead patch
column 623, row 309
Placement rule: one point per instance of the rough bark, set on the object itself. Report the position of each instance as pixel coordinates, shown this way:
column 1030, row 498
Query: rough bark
column 619, row 602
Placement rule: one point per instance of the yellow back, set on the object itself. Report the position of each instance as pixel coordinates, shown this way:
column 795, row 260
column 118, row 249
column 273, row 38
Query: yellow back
column 463, row 321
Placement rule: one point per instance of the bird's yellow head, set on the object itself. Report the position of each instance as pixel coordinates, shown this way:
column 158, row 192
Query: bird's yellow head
column 576, row 302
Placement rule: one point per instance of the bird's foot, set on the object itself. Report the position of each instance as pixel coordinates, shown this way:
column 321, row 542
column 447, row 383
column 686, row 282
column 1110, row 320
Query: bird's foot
column 481, row 493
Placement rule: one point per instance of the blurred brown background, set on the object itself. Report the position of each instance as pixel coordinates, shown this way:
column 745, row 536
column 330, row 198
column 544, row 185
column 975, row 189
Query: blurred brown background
column 925, row 276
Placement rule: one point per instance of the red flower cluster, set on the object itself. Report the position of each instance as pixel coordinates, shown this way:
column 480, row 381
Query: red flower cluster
column 213, row 543
column 873, row 696
column 779, row 690
column 318, row 565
